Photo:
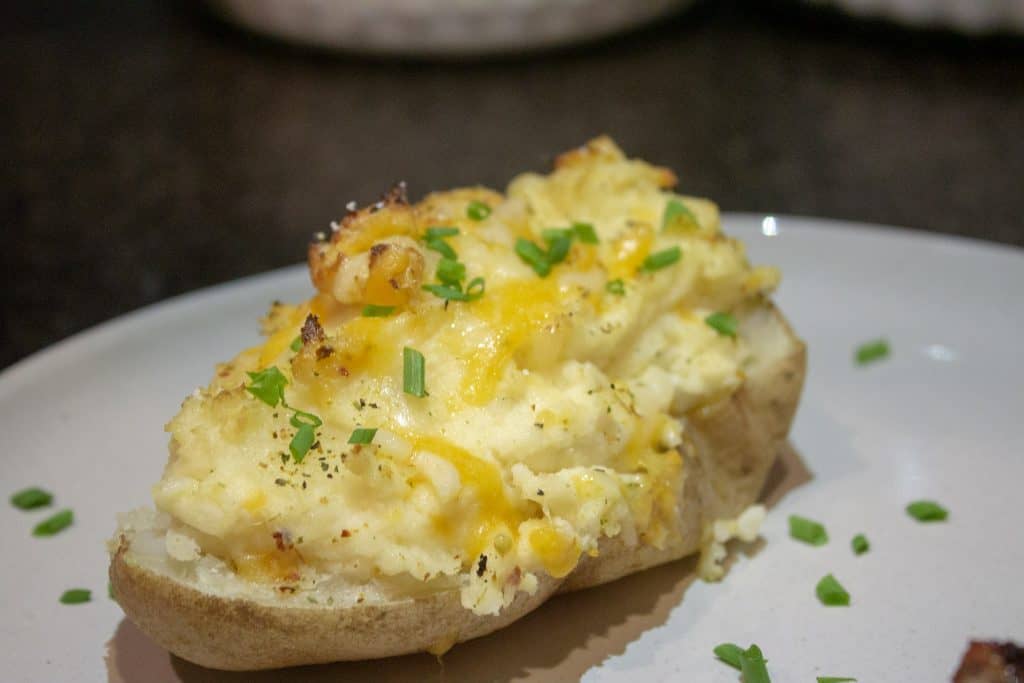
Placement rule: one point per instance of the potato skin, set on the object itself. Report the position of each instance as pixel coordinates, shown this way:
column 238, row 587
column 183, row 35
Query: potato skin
column 734, row 443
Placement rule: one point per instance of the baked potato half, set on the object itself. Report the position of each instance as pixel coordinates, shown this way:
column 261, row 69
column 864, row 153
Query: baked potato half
column 491, row 399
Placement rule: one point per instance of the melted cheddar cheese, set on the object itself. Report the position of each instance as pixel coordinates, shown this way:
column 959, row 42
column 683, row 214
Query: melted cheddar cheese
column 554, row 409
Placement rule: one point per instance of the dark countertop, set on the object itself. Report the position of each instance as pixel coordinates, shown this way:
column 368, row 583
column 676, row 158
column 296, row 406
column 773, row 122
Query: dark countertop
column 150, row 150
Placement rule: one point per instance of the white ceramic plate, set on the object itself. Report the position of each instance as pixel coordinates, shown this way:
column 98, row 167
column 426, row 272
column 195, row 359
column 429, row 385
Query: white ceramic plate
column 441, row 28
column 940, row 419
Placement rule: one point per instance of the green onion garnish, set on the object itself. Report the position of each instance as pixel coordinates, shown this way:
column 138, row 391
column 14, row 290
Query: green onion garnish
column 28, row 499
column 927, row 511
column 661, row 259
column 723, row 323
column 304, row 419
column 450, row 272
column 585, row 233
column 440, row 246
column 477, row 210
column 836, row 679
column 375, row 311
column 676, row 213
column 549, row 235
column 55, row 524
column 454, row 293
column 363, row 435
column 302, row 442
column 731, row 654
column 860, row 544
column 807, row 530
column 414, row 372
column 296, row 344
column 559, row 249
column 831, row 592
column 617, row 287
column 440, row 232
column 76, row 596
column 871, row 351
column 533, row 256
column 268, row 385
column 474, row 290
column 753, row 666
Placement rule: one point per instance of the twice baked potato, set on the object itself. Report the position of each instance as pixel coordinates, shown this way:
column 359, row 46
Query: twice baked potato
column 490, row 399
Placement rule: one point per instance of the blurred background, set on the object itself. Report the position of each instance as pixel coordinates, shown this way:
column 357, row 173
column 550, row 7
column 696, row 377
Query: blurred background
column 153, row 147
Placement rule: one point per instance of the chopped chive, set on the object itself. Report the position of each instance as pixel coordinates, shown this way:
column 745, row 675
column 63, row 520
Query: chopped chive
column 831, row 592
column 477, row 210
column 450, row 272
column 375, row 311
column 617, row 287
column 731, row 654
column 76, row 596
column 302, row 442
column 533, row 256
column 296, row 344
column 475, row 288
column 549, row 235
column 927, row 511
column 661, row 259
column 304, row 419
column 110, row 590
column 28, row 499
column 836, row 679
column 585, row 233
column 54, row 524
column 267, row 385
column 363, row 435
column 754, row 666
column 451, row 292
column 413, row 372
column 807, row 530
column 440, row 232
column 440, row 246
column 871, row 351
column 723, row 323
column 860, row 544
column 677, row 213
column 559, row 249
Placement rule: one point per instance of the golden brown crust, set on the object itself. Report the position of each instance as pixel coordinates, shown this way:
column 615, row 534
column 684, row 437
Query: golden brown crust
column 733, row 444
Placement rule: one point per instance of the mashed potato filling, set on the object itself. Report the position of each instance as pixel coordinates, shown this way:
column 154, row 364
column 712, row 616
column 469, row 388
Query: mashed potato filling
column 555, row 401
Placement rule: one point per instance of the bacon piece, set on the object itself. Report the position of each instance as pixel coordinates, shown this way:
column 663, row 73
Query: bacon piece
column 991, row 662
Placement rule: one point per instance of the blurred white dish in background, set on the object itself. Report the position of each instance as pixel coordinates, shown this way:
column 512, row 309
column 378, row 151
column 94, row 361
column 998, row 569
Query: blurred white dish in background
column 968, row 16
column 441, row 27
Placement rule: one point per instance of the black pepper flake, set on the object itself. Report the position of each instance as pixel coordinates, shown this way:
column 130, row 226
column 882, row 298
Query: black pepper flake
column 281, row 482
column 330, row 476
column 284, row 458
column 540, row 492
column 481, row 565
column 303, row 484
column 324, row 466
column 373, row 405
column 538, row 425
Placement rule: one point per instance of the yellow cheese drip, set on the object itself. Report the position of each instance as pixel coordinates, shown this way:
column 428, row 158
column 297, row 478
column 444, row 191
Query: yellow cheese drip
column 494, row 513
column 514, row 314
